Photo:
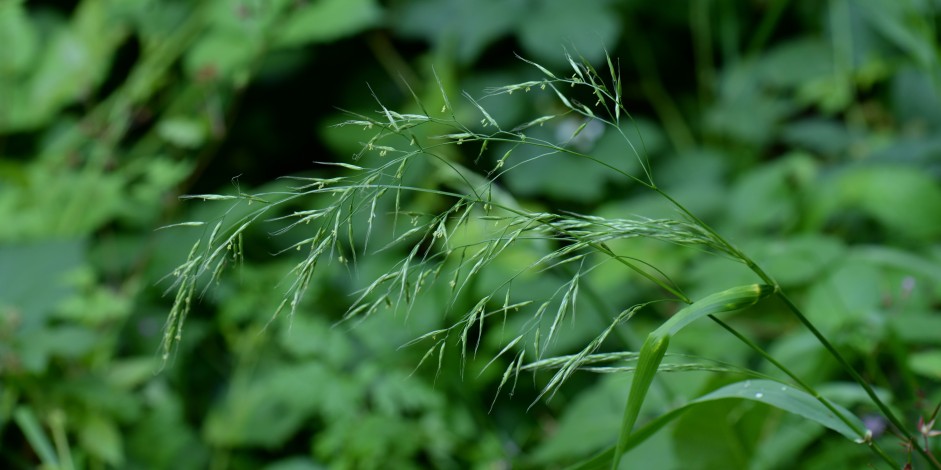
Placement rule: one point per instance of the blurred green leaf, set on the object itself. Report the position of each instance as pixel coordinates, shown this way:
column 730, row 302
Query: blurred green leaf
column 73, row 62
column 917, row 327
column 744, row 112
column 792, row 64
column 799, row 259
column 102, row 438
column 271, row 408
column 127, row 373
column 818, row 135
column 905, row 200
column 767, row 196
column 847, row 299
column 769, row 392
column 223, row 53
column 165, row 423
column 584, row 28
column 926, row 363
column 915, row 98
column 98, row 304
column 779, row 449
column 568, row 177
column 25, row 418
column 183, row 132
column 295, row 463
column 327, row 20
column 589, row 423
column 20, row 39
column 308, row 336
column 903, row 24
column 27, row 289
column 463, row 26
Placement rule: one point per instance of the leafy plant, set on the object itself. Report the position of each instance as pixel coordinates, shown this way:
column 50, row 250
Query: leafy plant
column 807, row 139
column 454, row 253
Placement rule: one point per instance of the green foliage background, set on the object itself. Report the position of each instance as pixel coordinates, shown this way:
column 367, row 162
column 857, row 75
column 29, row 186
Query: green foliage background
column 805, row 131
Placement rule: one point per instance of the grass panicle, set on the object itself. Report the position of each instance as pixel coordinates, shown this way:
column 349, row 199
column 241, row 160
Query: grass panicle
column 377, row 206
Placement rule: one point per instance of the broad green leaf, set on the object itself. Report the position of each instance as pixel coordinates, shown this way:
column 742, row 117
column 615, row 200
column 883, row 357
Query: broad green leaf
column 926, row 363
column 465, row 27
column 102, row 438
column 33, row 278
column 573, row 178
column 916, row 327
column 767, row 197
column 270, row 408
column 184, row 132
column 554, row 25
column 308, row 336
column 848, row 298
column 228, row 54
column 794, row 63
column 586, row 424
column 903, row 25
column 745, row 112
column 799, row 259
column 129, row 372
column 778, row 450
column 698, row 179
column 73, row 63
column 905, row 200
column 327, row 20
column 20, row 40
column 180, row 446
column 98, row 305
column 818, row 135
column 915, row 98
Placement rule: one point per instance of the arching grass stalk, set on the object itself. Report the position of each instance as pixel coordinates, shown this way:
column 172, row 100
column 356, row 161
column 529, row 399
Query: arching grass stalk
column 831, row 349
column 587, row 76
column 450, row 248
column 867, row 434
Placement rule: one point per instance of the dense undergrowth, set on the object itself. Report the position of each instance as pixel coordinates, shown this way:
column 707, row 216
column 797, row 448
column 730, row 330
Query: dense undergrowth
column 730, row 263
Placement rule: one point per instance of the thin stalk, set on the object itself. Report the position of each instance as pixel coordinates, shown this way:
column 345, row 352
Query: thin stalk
column 768, row 23
column 754, row 267
column 856, row 377
column 805, row 386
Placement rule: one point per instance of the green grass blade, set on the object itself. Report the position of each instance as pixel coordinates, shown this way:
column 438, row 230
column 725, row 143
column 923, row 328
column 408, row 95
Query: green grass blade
column 651, row 354
column 790, row 399
column 725, row 301
column 770, row 392
column 654, row 348
column 32, row 430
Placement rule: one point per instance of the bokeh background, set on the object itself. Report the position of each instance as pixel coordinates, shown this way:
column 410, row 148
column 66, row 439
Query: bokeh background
column 806, row 131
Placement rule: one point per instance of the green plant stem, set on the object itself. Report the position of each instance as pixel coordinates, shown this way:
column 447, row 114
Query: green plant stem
column 768, row 22
column 806, row 387
column 831, row 349
column 858, row 378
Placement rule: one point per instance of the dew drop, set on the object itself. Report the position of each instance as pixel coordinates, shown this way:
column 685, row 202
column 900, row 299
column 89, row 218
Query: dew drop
column 759, row 395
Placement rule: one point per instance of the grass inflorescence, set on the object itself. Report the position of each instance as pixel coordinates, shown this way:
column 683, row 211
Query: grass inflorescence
column 378, row 205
